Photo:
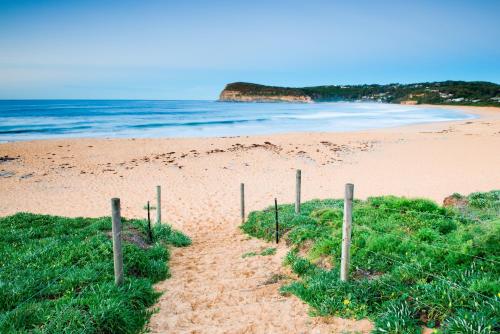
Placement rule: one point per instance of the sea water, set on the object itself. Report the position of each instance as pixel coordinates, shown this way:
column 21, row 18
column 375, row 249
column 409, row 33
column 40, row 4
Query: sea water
column 45, row 119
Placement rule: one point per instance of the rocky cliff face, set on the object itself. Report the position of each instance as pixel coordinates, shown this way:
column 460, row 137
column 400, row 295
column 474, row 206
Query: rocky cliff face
column 245, row 92
column 236, row 96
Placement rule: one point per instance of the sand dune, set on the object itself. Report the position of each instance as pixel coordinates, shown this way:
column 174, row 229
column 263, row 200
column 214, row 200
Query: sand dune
column 214, row 289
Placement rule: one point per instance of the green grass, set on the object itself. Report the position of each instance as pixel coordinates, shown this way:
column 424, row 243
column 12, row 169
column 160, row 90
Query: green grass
column 265, row 252
column 268, row 251
column 413, row 263
column 56, row 274
column 249, row 254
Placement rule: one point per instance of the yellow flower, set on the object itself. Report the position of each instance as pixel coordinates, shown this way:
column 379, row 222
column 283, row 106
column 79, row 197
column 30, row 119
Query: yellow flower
column 346, row 301
column 499, row 294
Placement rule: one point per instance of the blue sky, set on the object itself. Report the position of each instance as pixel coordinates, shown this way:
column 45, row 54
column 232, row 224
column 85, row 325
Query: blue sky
column 191, row 49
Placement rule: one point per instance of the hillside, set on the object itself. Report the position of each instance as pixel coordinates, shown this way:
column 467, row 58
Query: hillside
column 476, row 93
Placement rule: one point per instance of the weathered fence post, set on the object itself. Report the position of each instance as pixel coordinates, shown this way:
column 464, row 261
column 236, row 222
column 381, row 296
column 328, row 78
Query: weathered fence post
column 116, row 229
column 346, row 232
column 158, row 205
column 242, row 199
column 276, row 218
column 298, row 179
column 150, row 233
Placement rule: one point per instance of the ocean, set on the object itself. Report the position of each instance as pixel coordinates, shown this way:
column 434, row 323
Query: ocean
column 45, row 119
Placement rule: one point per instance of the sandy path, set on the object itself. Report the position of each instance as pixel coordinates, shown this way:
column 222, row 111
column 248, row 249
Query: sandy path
column 214, row 289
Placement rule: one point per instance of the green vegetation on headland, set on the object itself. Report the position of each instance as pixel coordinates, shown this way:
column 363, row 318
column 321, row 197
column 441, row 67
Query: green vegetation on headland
column 56, row 274
column 413, row 263
column 475, row 93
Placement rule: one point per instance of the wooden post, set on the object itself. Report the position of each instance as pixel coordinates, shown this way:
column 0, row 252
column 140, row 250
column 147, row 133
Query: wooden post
column 150, row 233
column 117, row 241
column 242, row 193
column 276, row 218
column 158, row 205
column 297, row 191
column 346, row 232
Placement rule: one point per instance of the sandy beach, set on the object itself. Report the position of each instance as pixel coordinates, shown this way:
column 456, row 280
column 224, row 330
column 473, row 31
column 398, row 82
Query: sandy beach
column 213, row 289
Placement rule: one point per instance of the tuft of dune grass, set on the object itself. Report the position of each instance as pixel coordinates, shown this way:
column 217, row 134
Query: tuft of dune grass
column 56, row 274
column 413, row 262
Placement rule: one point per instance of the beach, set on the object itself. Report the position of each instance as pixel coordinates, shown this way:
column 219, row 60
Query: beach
column 213, row 289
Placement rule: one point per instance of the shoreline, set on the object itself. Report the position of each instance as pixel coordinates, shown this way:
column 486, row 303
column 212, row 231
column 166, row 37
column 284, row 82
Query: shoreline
column 469, row 110
column 211, row 284
column 31, row 152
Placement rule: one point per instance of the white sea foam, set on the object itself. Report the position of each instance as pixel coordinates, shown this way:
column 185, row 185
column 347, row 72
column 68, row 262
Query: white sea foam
column 27, row 120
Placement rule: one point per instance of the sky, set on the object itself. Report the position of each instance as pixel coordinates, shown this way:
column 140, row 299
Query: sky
column 190, row 49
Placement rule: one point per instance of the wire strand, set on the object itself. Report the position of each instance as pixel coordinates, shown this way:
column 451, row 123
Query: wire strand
column 406, row 239
column 66, row 307
column 430, row 274
column 46, row 248
column 438, row 247
column 52, row 281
